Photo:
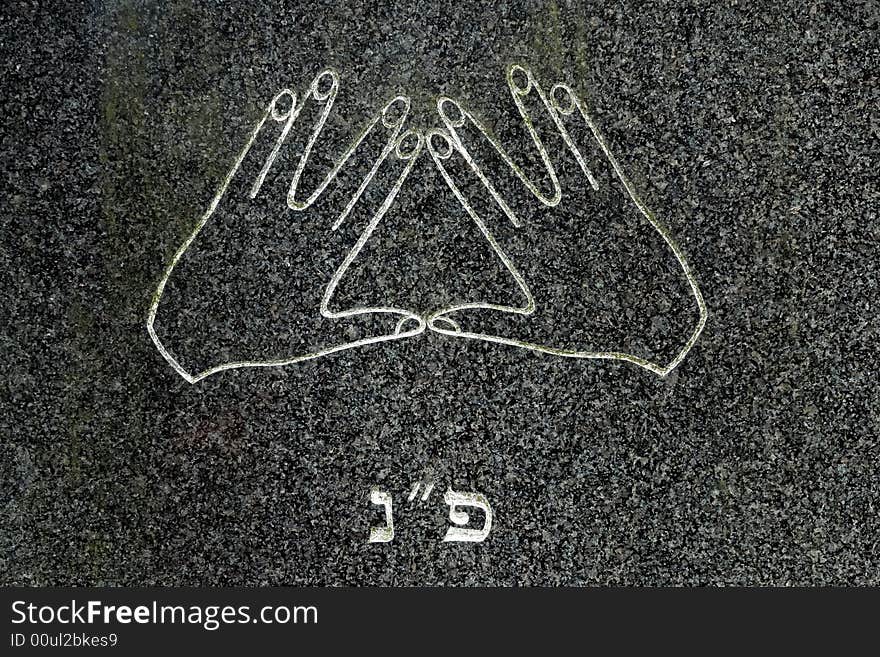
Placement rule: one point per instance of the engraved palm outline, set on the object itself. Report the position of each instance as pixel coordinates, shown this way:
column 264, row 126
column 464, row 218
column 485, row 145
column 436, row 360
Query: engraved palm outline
column 562, row 101
column 406, row 147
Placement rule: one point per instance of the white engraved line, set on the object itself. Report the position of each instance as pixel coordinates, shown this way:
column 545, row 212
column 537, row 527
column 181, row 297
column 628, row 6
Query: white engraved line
column 476, row 500
column 329, row 98
column 529, row 306
column 555, row 110
column 411, row 158
column 451, row 138
column 383, row 533
column 428, row 488
column 658, row 226
column 465, row 114
column 290, row 118
column 518, row 93
column 157, row 296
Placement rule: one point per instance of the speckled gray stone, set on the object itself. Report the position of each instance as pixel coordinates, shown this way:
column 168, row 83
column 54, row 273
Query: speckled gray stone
column 752, row 132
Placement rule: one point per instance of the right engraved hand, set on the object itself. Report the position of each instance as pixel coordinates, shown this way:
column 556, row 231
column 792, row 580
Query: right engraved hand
column 598, row 276
column 253, row 284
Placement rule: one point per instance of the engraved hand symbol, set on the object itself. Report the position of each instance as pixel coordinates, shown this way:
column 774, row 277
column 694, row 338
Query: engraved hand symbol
column 599, row 276
column 253, row 284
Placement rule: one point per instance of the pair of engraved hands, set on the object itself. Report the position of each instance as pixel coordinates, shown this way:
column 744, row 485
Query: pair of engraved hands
column 267, row 176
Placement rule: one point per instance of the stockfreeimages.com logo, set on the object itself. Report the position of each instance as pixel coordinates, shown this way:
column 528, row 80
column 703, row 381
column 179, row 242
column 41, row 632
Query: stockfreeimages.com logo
column 210, row 617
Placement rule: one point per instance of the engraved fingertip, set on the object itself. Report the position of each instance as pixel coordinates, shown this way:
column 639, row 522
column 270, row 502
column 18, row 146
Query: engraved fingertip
column 439, row 144
column 282, row 105
column 325, row 84
column 419, row 325
column 451, row 324
column 450, row 111
column 395, row 112
column 409, row 144
column 562, row 97
column 520, row 79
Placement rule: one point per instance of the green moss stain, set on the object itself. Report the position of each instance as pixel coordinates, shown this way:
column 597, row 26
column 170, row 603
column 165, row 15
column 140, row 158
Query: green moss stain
column 582, row 55
column 548, row 52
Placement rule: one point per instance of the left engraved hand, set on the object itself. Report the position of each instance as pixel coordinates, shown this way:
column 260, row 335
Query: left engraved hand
column 253, row 285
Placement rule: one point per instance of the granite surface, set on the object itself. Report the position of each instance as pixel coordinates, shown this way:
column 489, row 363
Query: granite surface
column 750, row 130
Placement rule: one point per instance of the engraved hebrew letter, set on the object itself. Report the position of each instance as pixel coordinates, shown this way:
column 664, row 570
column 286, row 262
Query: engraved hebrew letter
column 382, row 534
column 461, row 518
